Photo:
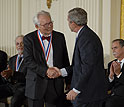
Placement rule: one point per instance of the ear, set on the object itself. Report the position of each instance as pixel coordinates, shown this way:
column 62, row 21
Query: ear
column 36, row 26
column 123, row 48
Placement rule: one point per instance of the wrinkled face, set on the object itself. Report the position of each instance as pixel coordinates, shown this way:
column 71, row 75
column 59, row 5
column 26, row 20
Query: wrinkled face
column 46, row 25
column 118, row 51
column 19, row 45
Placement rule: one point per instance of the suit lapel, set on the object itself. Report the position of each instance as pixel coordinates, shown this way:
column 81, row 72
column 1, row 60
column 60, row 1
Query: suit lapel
column 54, row 47
column 122, row 68
column 79, row 35
column 38, row 46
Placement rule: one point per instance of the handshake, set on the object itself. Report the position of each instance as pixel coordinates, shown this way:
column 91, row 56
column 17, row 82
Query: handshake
column 53, row 72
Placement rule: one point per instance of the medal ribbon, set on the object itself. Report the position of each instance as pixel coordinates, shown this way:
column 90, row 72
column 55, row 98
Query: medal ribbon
column 47, row 50
column 17, row 63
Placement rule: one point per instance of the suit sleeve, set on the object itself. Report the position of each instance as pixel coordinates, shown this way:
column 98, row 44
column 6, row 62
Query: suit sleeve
column 66, row 62
column 29, row 59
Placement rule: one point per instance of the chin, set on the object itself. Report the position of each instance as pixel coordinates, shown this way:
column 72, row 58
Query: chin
column 20, row 51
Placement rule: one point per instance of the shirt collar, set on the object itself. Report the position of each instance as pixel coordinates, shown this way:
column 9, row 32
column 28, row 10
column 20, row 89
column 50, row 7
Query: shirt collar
column 79, row 32
column 122, row 61
column 20, row 55
column 42, row 34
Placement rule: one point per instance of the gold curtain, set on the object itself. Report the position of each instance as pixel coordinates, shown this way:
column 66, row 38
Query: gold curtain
column 122, row 20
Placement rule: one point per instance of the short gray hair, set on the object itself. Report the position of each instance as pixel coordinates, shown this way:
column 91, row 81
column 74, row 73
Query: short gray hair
column 78, row 16
column 18, row 37
column 35, row 18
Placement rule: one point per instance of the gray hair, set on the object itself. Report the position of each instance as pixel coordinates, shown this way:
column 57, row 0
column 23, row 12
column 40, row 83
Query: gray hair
column 121, row 42
column 35, row 18
column 18, row 37
column 78, row 16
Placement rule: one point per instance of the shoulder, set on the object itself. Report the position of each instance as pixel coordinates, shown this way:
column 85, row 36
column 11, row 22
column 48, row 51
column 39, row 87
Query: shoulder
column 30, row 37
column 13, row 57
column 57, row 34
column 2, row 53
column 31, row 34
column 111, row 62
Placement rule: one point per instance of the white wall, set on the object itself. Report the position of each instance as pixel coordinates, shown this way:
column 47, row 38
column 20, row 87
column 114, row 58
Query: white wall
column 16, row 18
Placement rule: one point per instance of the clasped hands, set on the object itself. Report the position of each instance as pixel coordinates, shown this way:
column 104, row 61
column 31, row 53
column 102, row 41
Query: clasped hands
column 115, row 69
column 53, row 72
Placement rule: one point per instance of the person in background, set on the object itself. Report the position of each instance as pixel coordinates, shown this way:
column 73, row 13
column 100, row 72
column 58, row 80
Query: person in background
column 16, row 73
column 116, row 75
column 5, row 91
column 43, row 49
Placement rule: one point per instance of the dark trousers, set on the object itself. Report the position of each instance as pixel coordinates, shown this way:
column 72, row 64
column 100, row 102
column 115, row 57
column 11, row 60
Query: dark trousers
column 17, row 93
column 50, row 99
column 90, row 104
column 18, row 98
column 115, row 101
column 5, row 91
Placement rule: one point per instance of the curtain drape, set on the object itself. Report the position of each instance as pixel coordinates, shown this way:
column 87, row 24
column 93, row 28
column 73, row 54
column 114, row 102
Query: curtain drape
column 122, row 20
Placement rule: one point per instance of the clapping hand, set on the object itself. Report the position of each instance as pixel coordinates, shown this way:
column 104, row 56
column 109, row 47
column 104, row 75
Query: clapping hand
column 117, row 67
column 6, row 73
column 53, row 72
column 114, row 69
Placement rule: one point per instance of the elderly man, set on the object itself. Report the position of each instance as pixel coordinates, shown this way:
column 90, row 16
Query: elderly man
column 116, row 75
column 43, row 49
column 16, row 72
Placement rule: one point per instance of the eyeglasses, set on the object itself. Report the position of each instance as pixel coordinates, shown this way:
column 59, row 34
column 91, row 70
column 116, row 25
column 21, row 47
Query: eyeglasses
column 19, row 44
column 47, row 24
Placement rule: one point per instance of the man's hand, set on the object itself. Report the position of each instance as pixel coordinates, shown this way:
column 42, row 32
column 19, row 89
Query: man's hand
column 53, row 72
column 111, row 75
column 6, row 73
column 117, row 67
column 71, row 95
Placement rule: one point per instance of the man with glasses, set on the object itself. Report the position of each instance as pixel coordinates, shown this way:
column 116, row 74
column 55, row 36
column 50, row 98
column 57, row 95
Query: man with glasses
column 43, row 49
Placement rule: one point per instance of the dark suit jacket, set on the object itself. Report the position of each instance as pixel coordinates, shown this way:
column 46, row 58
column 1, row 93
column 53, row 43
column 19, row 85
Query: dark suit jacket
column 3, row 60
column 117, row 85
column 88, row 67
column 18, row 78
column 3, row 65
column 36, row 80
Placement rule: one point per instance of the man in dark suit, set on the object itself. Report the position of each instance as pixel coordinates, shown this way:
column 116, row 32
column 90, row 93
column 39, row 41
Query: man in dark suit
column 88, row 80
column 116, row 75
column 16, row 72
column 43, row 49
column 5, row 91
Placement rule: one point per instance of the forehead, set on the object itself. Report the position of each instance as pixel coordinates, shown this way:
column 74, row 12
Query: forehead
column 116, row 43
column 19, row 39
column 44, row 18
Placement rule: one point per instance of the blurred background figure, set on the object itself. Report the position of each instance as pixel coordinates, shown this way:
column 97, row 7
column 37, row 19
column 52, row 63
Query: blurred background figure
column 16, row 74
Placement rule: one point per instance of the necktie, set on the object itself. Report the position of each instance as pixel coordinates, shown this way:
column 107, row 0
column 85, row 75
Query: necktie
column 20, row 58
column 47, row 38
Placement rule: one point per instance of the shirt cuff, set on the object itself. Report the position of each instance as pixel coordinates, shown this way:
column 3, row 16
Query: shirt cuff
column 110, row 80
column 63, row 72
column 119, row 75
column 76, row 91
